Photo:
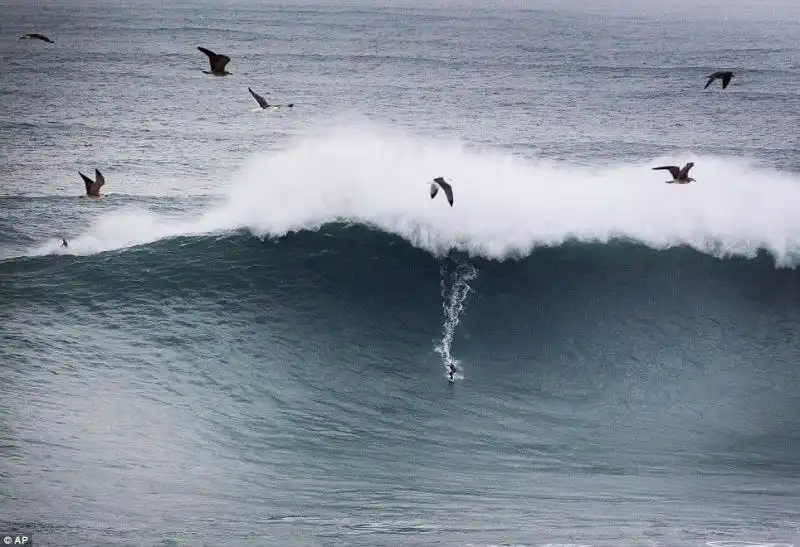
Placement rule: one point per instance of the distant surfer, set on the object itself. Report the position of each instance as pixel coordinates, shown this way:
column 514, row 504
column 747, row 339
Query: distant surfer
column 451, row 372
column 64, row 242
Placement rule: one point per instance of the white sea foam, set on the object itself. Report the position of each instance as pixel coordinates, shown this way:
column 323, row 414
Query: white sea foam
column 455, row 289
column 505, row 206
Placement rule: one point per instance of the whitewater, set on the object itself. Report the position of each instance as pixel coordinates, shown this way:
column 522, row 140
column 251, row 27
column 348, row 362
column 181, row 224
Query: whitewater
column 505, row 205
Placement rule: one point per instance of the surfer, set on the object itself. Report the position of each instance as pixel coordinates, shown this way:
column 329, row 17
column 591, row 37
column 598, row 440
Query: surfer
column 451, row 371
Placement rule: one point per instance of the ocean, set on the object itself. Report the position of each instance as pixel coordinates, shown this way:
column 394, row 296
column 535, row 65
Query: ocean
column 246, row 341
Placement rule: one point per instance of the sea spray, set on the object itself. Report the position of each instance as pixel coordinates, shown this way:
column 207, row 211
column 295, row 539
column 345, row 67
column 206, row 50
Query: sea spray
column 455, row 289
column 505, row 206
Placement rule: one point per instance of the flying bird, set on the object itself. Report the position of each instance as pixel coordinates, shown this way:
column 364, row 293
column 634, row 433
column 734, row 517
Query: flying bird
column 679, row 176
column 263, row 104
column 93, row 186
column 448, row 190
column 218, row 62
column 724, row 75
column 36, row 36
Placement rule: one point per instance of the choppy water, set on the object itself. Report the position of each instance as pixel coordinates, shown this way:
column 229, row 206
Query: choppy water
column 245, row 342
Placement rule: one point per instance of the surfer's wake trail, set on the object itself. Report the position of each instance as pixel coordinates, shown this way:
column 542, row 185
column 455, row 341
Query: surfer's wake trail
column 455, row 289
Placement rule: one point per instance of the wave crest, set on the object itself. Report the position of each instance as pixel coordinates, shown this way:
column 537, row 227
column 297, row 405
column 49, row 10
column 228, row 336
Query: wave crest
column 505, row 206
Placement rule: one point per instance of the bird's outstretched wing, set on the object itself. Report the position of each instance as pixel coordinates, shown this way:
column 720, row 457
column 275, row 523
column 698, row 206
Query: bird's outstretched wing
column 89, row 182
column 434, row 190
column 448, row 190
column 210, row 54
column 710, row 79
column 259, row 99
column 216, row 61
column 673, row 169
column 100, row 180
column 36, row 36
column 726, row 79
column 685, row 171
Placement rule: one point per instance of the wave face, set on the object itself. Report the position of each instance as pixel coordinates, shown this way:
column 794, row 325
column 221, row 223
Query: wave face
column 603, row 318
column 505, row 206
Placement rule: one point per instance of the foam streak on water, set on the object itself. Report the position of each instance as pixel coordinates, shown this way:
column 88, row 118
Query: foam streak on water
column 455, row 289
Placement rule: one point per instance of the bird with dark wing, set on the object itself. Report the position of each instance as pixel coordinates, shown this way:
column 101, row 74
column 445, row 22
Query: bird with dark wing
column 218, row 62
column 263, row 104
column 93, row 186
column 679, row 176
column 724, row 75
column 448, row 190
column 36, row 36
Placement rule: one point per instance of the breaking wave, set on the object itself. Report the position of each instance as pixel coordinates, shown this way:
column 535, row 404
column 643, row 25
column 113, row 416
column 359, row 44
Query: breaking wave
column 505, row 205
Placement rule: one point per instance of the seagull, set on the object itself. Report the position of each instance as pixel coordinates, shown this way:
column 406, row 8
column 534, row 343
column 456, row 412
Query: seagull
column 679, row 176
column 725, row 75
column 448, row 190
column 93, row 186
column 217, row 62
column 263, row 104
column 36, row 36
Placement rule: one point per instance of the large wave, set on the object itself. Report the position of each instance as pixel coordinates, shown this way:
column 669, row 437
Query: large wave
column 505, row 205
